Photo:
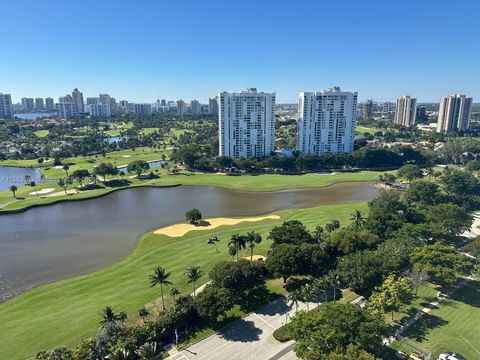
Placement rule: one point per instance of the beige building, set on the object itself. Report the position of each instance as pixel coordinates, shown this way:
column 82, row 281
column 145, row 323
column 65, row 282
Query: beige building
column 454, row 113
column 405, row 111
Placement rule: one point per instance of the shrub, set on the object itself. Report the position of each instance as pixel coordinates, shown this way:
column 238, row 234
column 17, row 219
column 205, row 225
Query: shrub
column 281, row 334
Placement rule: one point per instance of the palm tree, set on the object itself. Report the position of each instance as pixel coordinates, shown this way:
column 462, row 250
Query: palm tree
column 149, row 351
column 122, row 316
column 294, row 298
column 109, row 316
column 322, row 285
column 160, row 277
column 143, row 313
column 238, row 242
column 66, row 167
column 357, row 219
column 13, row 189
column 194, row 273
column 33, row 185
column 27, row 179
column 232, row 250
column 334, row 280
column 174, row 293
column 253, row 238
column 307, row 293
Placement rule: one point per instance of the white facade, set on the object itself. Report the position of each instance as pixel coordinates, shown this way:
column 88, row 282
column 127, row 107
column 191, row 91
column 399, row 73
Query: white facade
column 195, row 108
column 99, row 109
column 246, row 124
column 6, row 110
column 66, row 107
column 39, row 104
column 326, row 121
column 181, row 107
column 406, row 111
column 454, row 113
column 28, row 104
column 49, row 104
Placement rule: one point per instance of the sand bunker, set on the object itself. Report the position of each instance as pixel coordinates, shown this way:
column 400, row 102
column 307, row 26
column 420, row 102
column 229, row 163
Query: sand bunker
column 256, row 258
column 41, row 192
column 126, row 156
column 62, row 193
column 181, row 229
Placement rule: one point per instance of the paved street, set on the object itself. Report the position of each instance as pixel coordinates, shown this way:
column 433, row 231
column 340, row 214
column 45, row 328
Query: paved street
column 249, row 338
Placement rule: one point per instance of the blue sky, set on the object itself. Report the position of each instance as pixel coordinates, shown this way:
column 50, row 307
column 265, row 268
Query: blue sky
column 145, row 50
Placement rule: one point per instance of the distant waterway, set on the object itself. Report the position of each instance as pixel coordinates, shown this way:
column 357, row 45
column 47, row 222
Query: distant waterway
column 46, row 244
column 12, row 175
column 32, row 116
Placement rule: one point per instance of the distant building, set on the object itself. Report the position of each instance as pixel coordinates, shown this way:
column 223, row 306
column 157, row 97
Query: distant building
column 49, row 104
column 195, row 108
column 28, row 104
column 213, row 106
column 39, row 104
column 66, row 107
column 163, row 102
column 181, row 107
column 421, row 114
column 454, row 113
column 367, row 109
column 246, row 124
column 77, row 97
column 406, row 111
column 93, row 101
column 6, row 110
column 142, row 109
column 388, row 107
column 108, row 100
column 326, row 121
column 98, row 109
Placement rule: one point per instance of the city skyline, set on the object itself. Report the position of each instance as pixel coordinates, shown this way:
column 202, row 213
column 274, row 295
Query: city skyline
column 174, row 56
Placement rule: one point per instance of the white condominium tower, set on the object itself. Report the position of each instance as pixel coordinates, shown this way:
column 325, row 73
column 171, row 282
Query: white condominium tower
column 406, row 111
column 326, row 121
column 6, row 110
column 454, row 113
column 246, row 124
column 78, row 100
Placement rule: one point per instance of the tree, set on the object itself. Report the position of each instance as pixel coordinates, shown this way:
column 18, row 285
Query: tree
column 213, row 302
column 441, row 263
column 138, row 166
column 290, row 232
column 149, row 351
column 63, row 183
column 422, row 193
column 193, row 216
column 160, row 277
column 143, row 313
column 174, row 293
column 334, row 280
column 194, row 273
column 27, row 179
column 387, row 213
column 349, row 240
column 332, row 328
column 285, row 260
column 429, row 172
column 238, row 277
column 416, row 278
column 252, row 239
column 65, row 168
column 105, row 169
column 392, row 295
column 294, row 297
column 450, row 219
column 33, row 185
column 80, row 175
column 108, row 316
column 357, row 219
column 410, row 172
column 360, row 271
column 13, row 189
column 237, row 242
column 122, row 317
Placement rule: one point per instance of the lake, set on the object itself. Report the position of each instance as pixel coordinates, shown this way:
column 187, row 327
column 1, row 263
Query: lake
column 32, row 116
column 47, row 244
column 11, row 175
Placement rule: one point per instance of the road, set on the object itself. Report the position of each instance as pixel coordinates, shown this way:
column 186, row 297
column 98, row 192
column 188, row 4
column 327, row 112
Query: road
column 249, row 338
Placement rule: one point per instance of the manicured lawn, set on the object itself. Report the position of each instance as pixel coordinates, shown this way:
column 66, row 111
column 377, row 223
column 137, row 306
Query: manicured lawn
column 41, row 133
column 454, row 326
column 66, row 311
column 267, row 182
column 362, row 130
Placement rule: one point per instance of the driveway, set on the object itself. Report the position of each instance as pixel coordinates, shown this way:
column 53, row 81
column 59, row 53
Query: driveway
column 249, row 338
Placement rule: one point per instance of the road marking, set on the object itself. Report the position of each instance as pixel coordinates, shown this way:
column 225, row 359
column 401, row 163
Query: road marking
column 266, row 322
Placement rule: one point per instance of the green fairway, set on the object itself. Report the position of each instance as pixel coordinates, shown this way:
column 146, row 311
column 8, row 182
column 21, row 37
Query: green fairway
column 266, row 182
column 41, row 133
column 66, row 311
column 362, row 130
column 454, row 326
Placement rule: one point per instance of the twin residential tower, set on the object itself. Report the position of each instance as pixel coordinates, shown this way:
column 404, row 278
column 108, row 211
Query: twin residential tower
column 326, row 123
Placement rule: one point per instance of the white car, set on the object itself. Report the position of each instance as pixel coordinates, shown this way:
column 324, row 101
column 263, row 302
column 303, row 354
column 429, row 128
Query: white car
column 450, row 356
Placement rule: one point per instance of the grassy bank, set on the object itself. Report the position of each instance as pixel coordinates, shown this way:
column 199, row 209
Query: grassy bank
column 267, row 182
column 66, row 311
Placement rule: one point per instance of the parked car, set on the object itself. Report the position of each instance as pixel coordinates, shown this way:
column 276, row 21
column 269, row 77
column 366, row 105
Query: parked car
column 451, row 356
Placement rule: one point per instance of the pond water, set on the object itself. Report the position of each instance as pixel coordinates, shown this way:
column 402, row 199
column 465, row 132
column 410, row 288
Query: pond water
column 11, row 175
column 46, row 244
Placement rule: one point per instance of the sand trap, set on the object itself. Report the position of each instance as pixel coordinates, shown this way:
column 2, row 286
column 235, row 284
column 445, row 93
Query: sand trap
column 126, row 156
column 256, row 258
column 62, row 193
column 59, row 167
column 181, row 229
column 41, row 192
column 325, row 173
